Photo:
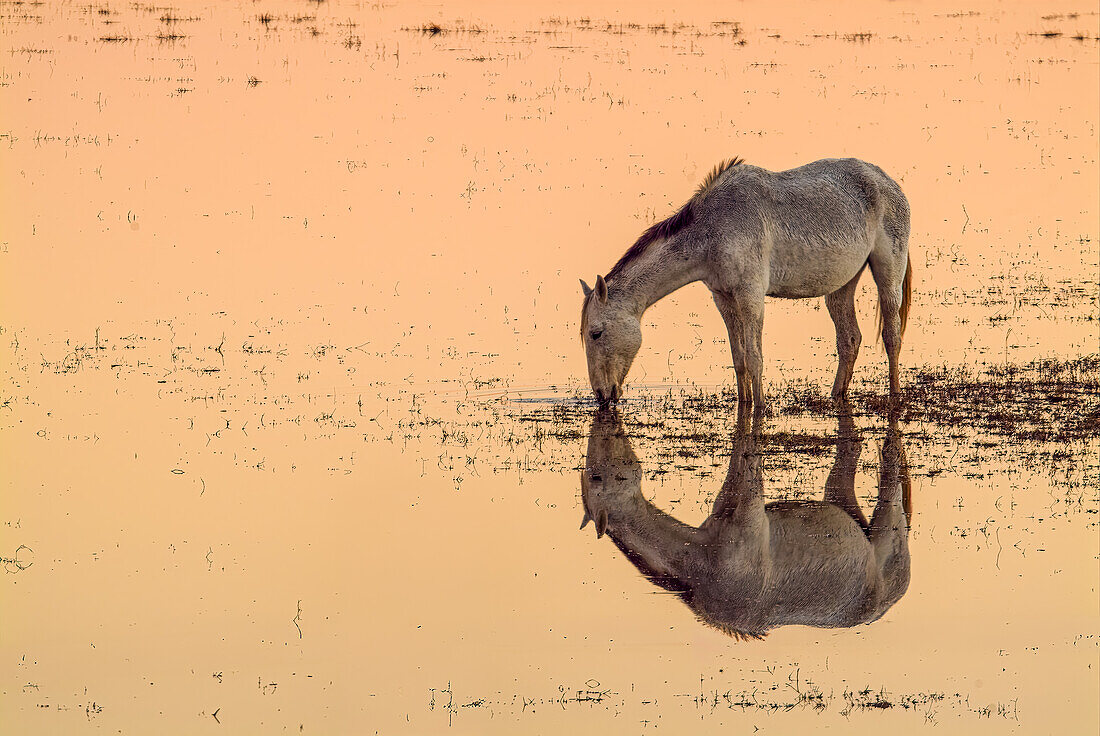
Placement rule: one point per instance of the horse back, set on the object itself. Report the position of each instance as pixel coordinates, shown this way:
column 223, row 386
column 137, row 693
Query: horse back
column 823, row 570
column 810, row 229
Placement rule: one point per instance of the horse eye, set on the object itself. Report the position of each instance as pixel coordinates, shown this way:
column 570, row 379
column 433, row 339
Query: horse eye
column 596, row 334
column 597, row 478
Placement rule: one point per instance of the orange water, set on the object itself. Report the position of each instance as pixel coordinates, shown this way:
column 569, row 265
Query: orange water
column 273, row 293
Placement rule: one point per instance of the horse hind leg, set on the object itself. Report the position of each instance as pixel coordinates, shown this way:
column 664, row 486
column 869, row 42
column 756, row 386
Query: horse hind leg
column 842, row 308
column 889, row 266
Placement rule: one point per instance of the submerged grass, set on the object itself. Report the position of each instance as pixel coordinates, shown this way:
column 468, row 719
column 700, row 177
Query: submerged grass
column 1041, row 401
column 1045, row 414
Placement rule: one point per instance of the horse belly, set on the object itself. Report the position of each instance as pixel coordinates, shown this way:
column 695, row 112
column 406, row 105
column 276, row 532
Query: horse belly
column 800, row 271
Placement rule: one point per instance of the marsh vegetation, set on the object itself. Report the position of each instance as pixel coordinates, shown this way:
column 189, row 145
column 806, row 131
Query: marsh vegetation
column 294, row 410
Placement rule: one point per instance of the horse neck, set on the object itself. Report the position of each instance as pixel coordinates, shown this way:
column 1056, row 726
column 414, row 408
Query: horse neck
column 661, row 269
column 658, row 544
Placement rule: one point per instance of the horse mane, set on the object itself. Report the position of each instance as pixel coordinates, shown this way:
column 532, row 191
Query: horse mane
column 712, row 177
column 668, row 227
column 662, row 230
column 684, row 592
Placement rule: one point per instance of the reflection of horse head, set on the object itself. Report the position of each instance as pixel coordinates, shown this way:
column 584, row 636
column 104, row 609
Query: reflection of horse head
column 752, row 566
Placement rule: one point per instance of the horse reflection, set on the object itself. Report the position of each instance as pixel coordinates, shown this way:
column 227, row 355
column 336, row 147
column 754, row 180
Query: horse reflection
column 753, row 566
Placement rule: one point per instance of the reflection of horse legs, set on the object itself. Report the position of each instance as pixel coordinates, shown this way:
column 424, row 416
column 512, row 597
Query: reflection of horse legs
column 890, row 520
column 738, row 522
column 840, row 486
column 749, row 421
column 743, row 490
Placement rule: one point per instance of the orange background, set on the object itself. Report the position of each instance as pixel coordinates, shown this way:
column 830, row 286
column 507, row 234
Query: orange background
column 273, row 292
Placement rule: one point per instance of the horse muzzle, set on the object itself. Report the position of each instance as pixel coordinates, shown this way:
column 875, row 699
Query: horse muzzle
column 606, row 399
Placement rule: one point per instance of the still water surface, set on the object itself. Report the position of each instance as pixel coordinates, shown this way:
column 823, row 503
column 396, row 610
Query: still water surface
column 296, row 430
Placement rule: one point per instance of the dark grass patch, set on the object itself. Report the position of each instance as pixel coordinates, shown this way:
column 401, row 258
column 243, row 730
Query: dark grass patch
column 1043, row 414
column 435, row 29
column 169, row 19
column 1041, row 401
column 1047, row 400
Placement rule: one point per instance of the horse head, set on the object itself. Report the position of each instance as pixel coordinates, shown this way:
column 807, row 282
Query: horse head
column 612, row 474
column 612, row 335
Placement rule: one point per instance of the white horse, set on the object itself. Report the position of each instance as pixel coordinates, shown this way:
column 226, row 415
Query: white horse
column 752, row 566
column 750, row 233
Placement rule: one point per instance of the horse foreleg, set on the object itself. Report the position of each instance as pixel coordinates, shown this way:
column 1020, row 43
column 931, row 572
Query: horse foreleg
column 842, row 308
column 752, row 331
column 728, row 308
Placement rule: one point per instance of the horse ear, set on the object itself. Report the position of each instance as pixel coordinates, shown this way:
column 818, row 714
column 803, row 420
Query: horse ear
column 585, row 288
column 601, row 523
column 601, row 289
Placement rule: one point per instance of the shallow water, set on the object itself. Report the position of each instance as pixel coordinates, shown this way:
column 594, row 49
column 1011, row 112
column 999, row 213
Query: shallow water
column 295, row 412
